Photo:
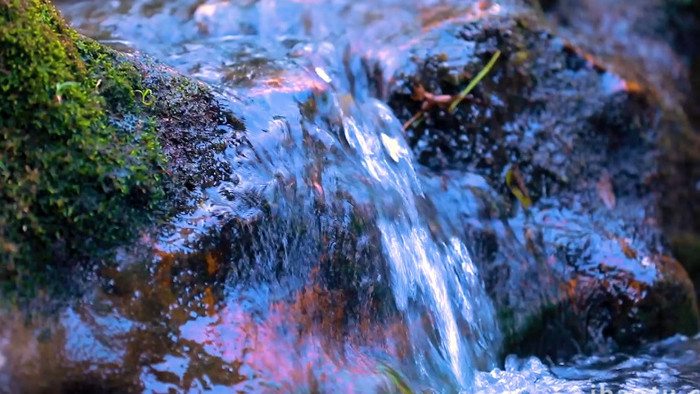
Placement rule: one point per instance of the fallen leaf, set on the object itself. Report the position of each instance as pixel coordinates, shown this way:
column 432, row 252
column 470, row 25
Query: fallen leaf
column 604, row 187
column 516, row 184
column 627, row 249
column 212, row 265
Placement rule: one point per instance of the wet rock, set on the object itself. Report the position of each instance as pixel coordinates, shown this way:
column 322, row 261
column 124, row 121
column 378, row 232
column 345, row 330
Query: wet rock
column 563, row 280
column 564, row 218
column 194, row 130
column 219, row 309
column 653, row 41
column 338, row 251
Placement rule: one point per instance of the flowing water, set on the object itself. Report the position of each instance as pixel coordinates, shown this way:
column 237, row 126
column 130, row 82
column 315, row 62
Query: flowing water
column 323, row 152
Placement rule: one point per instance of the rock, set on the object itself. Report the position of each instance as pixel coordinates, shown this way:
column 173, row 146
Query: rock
column 93, row 144
column 653, row 41
column 563, row 281
column 250, row 299
column 584, row 268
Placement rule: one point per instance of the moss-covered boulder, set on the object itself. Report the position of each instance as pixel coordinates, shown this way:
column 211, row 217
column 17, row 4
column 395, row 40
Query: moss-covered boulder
column 87, row 155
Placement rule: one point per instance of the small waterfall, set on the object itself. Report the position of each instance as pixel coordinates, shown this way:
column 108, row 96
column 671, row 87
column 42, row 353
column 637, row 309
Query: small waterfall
column 435, row 284
column 435, row 276
column 433, row 280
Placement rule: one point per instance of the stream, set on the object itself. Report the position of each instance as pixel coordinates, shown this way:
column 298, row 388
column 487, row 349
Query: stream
column 324, row 149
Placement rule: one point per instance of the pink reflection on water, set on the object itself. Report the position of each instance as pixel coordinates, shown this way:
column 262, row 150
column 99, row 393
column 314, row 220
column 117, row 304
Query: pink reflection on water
column 282, row 350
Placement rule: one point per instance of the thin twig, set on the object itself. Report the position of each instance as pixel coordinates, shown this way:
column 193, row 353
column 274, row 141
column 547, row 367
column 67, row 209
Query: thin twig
column 415, row 117
column 474, row 81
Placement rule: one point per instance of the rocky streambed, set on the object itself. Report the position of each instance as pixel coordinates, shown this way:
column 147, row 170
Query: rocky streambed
column 311, row 214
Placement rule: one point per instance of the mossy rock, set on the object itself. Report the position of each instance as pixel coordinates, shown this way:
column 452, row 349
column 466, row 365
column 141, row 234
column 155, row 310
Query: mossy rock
column 90, row 138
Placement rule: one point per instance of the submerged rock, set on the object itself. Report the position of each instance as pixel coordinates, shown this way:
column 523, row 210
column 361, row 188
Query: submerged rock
column 565, row 222
column 248, row 305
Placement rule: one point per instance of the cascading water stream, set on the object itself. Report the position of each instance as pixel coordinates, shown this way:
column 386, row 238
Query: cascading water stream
column 433, row 279
column 435, row 285
column 441, row 276
column 430, row 278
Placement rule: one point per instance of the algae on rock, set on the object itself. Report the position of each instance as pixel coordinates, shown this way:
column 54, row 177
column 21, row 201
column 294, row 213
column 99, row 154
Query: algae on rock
column 82, row 161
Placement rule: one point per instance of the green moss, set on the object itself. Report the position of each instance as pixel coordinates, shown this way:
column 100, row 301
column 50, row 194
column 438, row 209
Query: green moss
column 80, row 164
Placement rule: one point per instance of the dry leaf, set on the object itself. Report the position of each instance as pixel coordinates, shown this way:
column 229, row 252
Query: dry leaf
column 516, row 184
column 627, row 249
column 605, row 191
